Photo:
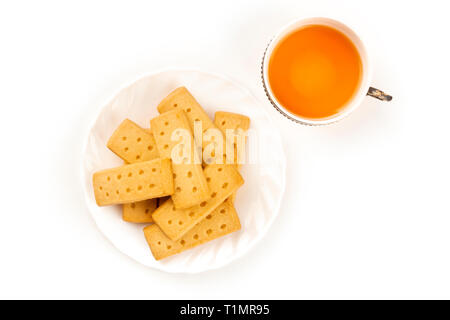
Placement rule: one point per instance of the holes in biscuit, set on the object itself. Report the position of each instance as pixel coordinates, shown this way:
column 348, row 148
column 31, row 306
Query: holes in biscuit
column 208, row 179
column 117, row 191
column 101, row 188
column 175, row 105
column 147, row 210
column 182, row 242
column 138, row 139
column 208, row 216
column 223, row 122
column 166, row 146
column 223, row 226
column 108, row 178
column 128, row 189
column 166, row 123
column 197, row 119
column 203, row 204
column 124, row 138
column 139, row 188
column 194, row 189
column 188, row 110
column 133, row 205
column 191, row 214
column 222, row 211
column 195, row 236
column 178, row 189
column 119, row 176
column 159, row 243
column 180, row 222
column 169, row 247
column 225, row 185
column 151, row 185
column 213, row 195
column 169, row 222
column 107, row 194
column 125, row 149
column 141, row 171
column 189, row 174
column 150, row 148
column 219, row 169
column 208, row 232
column 138, row 157
column 130, row 174
column 153, row 169
column 161, row 133
column 174, row 175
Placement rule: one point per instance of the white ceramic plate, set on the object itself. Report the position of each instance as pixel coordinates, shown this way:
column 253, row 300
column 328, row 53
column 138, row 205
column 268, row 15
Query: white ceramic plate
column 257, row 202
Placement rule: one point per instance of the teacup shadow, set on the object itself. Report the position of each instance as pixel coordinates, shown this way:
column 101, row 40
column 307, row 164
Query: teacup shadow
column 367, row 120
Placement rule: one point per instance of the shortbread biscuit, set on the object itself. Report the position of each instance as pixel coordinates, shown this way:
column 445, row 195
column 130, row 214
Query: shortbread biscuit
column 189, row 181
column 132, row 143
column 139, row 212
column 182, row 99
column 232, row 121
column 133, row 182
column 237, row 124
column 129, row 143
column 222, row 221
column 223, row 180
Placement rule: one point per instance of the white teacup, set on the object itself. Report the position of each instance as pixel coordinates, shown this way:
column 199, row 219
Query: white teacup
column 364, row 85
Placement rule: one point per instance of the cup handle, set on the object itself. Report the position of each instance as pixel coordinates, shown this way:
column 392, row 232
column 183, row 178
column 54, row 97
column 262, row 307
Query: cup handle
column 378, row 94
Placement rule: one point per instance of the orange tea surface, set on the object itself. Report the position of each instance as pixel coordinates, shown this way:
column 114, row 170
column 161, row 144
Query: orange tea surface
column 315, row 71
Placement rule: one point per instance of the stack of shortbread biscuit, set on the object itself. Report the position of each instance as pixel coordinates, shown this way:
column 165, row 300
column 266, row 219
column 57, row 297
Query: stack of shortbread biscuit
column 186, row 199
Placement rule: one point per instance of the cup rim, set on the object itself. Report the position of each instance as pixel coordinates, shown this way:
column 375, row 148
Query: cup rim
column 364, row 85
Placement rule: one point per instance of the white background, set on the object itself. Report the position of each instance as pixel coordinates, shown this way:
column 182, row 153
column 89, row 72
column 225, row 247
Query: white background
column 365, row 214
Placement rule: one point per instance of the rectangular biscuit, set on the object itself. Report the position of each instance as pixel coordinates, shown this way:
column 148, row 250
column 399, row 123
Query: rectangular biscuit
column 181, row 98
column 229, row 120
column 129, row 143
column 132, row 143
column 189, row 181
column 232, row 121
column 222, row 221
column 237, row 123
column 223, row 180
column 139, row 212
column 133, row 182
